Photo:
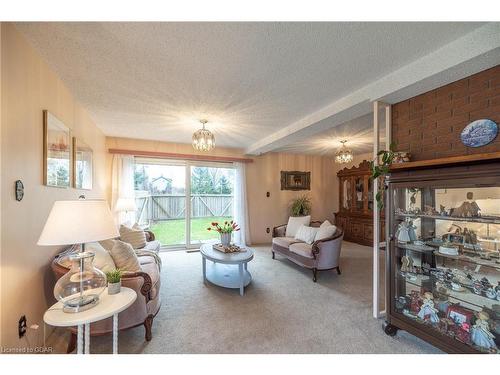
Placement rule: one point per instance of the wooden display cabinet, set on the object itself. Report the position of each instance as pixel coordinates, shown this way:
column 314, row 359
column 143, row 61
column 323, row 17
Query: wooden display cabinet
column 459, row 288
column 355, row 214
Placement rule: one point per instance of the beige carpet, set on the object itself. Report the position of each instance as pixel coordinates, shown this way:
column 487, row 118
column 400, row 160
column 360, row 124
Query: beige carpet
column 282, row 311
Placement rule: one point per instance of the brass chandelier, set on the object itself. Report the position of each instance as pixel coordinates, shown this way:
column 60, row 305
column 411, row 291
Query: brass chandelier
column 343, row 155
column 203, row 139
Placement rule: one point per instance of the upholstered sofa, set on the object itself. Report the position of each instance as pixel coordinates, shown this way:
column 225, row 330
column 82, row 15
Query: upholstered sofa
column 146, row 284
column 321, row 255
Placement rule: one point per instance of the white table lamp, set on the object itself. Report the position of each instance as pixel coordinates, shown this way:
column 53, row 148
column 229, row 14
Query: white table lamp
column 125, row 205
column 79, row 222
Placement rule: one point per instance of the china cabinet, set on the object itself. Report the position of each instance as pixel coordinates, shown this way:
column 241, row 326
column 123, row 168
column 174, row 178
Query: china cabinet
column 355, row 214
column 443, row 263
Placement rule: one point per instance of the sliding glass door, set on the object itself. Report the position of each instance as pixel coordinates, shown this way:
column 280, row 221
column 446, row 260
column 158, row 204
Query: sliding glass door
column 178, row 200
column 211, row 200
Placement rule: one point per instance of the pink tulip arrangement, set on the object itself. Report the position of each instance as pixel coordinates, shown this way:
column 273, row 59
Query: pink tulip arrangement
column 227, row 227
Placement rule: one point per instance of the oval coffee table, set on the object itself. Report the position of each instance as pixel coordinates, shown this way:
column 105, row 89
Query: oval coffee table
column 228, row 270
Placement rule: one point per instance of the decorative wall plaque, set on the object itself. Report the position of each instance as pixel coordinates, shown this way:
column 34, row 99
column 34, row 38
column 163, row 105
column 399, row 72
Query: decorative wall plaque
column 479, row 133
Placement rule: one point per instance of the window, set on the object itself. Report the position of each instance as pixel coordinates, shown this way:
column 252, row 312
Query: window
column 179, row 200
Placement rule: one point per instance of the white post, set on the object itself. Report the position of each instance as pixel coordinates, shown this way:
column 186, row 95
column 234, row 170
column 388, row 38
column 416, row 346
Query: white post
column 376, row 217
column 87, row 338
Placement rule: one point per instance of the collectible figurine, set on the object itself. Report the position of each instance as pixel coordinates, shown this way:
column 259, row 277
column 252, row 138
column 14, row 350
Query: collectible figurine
column 491, row 293
column 468, row 208
column 477, row 287
column 497, row 289
column 402, row 233
column 442, row 210
column 427, row 310
column 480, row 333
column 406, row 264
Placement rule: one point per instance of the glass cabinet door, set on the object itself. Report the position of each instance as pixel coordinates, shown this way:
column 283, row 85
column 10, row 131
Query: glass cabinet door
column 359, row 187
column 445, row 263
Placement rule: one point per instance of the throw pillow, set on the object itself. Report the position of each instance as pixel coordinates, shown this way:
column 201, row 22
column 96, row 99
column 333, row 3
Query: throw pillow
column 325, row 223
column 306, row 234
column 125, row 257
column 135, row 237
column 325, row 232
column 107, row 244
column 294, row 223
column 102, row 258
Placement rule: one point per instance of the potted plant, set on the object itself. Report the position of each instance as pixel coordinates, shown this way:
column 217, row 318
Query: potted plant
column 301, row 206
column 114, row 278
column 225, row 230
column 381, row 169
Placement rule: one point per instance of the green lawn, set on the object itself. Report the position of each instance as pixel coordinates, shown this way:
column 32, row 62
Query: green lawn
column 173, row 232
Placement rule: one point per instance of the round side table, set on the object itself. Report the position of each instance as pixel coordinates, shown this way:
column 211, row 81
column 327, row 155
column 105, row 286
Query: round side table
column 109, row 305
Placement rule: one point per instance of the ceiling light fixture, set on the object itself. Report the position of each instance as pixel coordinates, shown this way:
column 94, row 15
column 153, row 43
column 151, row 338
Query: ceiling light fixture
column 203, row 139
column 343, row 155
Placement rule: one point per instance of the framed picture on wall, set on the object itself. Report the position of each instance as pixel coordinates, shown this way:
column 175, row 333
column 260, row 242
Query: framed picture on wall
column 83, row 165
column 295, row 180
column 56, row 152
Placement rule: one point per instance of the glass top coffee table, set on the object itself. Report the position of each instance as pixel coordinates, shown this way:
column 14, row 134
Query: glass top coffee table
column 228, row 270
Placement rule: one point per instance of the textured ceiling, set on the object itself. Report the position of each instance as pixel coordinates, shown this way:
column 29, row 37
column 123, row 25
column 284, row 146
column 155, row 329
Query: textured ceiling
column 155, row 80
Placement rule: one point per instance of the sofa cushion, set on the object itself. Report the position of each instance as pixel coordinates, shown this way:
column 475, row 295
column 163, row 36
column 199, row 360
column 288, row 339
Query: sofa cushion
column 124, row 257
column 284, row 241
column 134, row 236
column 152, row 246
column 306, row 234
column 102, row 258
column 325, row 231
column 302, row 249
column 294, row 223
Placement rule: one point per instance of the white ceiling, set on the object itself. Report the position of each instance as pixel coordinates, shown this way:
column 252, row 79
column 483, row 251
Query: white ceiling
column 155, row 80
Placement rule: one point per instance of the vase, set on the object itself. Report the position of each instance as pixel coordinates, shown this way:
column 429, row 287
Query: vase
column 225, row 239
column 114, row 288
column 80, row 287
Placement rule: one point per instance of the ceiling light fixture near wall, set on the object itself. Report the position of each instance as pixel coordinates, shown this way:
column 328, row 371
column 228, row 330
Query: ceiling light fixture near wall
column 343, row 155
column 203, row 139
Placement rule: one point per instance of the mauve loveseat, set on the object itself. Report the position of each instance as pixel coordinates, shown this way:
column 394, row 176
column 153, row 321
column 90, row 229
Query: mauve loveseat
column 321, row 255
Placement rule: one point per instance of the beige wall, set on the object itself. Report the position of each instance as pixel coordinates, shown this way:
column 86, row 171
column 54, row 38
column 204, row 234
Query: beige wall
column 263, row 175
column 28, row 86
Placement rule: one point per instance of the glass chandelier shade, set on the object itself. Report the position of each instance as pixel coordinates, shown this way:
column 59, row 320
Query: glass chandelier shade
column 343, row 155
column 203, row 139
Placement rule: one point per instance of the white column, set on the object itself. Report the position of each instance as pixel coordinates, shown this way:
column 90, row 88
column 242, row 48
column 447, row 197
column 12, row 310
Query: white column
column 376, row 217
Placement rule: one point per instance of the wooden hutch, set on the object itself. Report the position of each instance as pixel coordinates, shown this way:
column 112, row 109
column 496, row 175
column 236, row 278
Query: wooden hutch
column 355, row 214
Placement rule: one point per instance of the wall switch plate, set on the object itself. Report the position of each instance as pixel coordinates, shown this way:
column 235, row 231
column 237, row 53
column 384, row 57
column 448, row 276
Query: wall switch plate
column 22, row 326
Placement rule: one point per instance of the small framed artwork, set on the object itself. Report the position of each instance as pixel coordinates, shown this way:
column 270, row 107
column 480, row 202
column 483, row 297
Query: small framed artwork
column 295, row 180
column 56, row 152
column 83, row 165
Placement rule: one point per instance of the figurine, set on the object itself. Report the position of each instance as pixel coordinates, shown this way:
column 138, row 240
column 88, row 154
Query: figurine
column 430, row 211
column 497, row 289
column 468, row 208
column 480, row 333
column 477, row 287
column 411, row 231
column 491, row 293
column 442, row 210
column 406, row 264
column 427, row 310
column 402, row 233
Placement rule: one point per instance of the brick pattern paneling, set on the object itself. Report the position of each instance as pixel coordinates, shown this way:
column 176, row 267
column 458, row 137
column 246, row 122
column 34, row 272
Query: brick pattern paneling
column 429, row 125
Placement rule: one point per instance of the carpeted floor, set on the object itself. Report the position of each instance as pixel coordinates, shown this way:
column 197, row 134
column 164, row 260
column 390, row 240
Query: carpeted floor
column 282, row 311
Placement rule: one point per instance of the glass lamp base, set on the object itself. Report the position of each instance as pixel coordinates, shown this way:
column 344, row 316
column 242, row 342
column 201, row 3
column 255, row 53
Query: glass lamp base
column 80, row 303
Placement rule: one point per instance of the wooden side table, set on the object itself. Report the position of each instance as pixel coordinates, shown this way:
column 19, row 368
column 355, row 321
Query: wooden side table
column 109, row 305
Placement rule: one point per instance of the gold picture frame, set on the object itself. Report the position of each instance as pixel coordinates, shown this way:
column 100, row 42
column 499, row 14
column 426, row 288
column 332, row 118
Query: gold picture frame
column 83, row 165
column 56, row 152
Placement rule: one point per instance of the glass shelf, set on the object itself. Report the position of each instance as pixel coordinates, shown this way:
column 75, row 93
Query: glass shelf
column 482, row 220
column 476, row 301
